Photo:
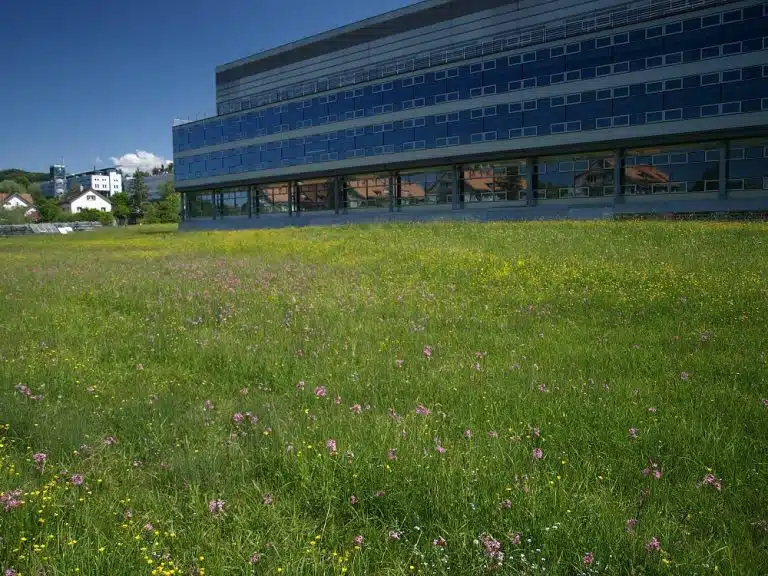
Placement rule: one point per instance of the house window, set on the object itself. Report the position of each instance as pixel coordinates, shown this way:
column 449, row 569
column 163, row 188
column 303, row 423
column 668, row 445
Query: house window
column 90, row 197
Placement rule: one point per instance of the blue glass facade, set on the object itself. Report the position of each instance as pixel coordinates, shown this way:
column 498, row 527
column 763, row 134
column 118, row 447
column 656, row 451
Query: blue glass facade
column 686, row 70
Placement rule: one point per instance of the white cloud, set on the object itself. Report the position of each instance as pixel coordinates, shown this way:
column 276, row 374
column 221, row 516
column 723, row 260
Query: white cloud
column 140, row 160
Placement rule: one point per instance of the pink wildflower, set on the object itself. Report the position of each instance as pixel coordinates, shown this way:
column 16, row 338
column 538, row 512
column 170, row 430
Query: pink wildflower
column 632, row 432
column 658, row 474
column 148, row 527
column 395, row 535
column 765, row 402
column 428, row 351
column 392, row 454
column 506, row 504
column 492, row 548
column 338, row 400
column 110, row 440
column 515, row 538
column 394, row 415
column 358, row 540
column 255, row 558
column 710, row 480
column 320, row 392
column 467, row 434
column 40, row 458
column 353, row 500
column 11, row 500
column 268, row 498
column 77, row 479
column 300, row 385
column 538, row 453
column 439, row 448
column 216, row 506
column 380, row 493
column 356, row 409
column 630, row 526
column 423, row 410
column 542, row 388
column 330, row 445
column 439, row 541
column 208, row 405
column 237, row 418
column 588, row 558
column 10, row 572
column 653, row 545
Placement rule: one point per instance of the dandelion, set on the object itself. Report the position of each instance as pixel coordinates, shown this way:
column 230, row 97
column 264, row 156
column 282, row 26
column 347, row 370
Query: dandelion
column 356, row 409
column 216, row 506
column 392, row 454
column 330, row 445
column 538, row 453
column 358, row 540
column 428, row 351
column 268, row 498
column 208, row 405
column 439, row 541
column 632, row 432
column 630, row 525
column 588, row 558
column 110, row 440
column 653, row 545
column 395, row 535
column 300, row 385
column 237, row 417
column 423, row 410
column 320, row 392
column 255, row 558
column 468, row 434
column 77, row 479
column 353, row 500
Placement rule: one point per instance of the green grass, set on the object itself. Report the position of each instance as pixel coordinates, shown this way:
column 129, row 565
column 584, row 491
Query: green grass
column 573, row 331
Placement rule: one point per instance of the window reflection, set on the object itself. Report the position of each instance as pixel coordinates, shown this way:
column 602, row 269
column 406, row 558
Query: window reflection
column 427, row 187
column 233, row 201
column 671, row 170
column 497, row 182
column 366, row 191
column 200, row 204
column 315, row 194
column 575, row 176
column 271, row 197
column 747, row 167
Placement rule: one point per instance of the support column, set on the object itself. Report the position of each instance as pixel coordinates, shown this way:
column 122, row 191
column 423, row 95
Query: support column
column 398, row 192
column 183, row 214
column 391, row 185
column 530, row 182
column 618, row 177
column 290, row 197
column 250, row 202
column 344, row 194
column 455, row 192
column 257, row 190
column 336, row 194
column 297, row 197
column 725, row 150
column 214, row 203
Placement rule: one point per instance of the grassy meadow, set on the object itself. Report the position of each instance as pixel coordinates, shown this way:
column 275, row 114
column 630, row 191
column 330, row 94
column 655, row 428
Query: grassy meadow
column 534, row 398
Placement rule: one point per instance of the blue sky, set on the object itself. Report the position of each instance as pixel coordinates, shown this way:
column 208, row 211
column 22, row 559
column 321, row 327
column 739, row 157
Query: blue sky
column 93, row 80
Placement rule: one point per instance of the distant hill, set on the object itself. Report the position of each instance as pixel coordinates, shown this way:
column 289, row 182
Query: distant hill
column 20, row 175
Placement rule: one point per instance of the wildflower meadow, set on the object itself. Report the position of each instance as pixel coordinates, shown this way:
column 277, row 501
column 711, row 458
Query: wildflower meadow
column 450, row 398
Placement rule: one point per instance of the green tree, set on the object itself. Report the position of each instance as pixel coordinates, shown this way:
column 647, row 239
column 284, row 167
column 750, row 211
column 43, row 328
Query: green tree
column 11, row 187
column 121, row 207
column 167, row 188
column 13, row 216
column 74, row 188
column 139, row 193
column 48, row 209
column 34, row 190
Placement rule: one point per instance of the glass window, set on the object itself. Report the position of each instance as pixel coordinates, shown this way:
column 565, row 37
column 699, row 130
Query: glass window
column 731, row 76
column 673, row 28
column 497, row 182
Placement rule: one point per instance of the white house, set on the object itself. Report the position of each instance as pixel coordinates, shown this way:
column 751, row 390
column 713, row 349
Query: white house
column 86, row 200
column 12, row 201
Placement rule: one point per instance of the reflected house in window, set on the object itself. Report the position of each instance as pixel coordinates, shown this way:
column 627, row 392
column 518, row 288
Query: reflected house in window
column 427, row 110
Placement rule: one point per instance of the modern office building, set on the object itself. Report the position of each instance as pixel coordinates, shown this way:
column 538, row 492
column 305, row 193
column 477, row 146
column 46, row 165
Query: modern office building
column 56, row 187
column 154, row 183
column 490, row 109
